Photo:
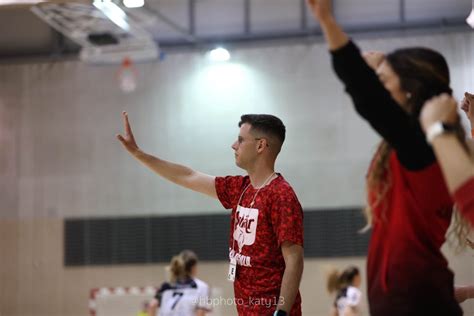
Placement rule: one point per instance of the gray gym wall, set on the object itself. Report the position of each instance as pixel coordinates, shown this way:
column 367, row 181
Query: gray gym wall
column 60, row 159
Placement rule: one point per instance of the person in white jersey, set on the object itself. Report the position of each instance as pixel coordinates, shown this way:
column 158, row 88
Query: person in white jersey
column 348, row 295
column 184, row 294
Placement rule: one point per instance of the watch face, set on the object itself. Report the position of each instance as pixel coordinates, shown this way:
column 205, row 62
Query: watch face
column 438, row 128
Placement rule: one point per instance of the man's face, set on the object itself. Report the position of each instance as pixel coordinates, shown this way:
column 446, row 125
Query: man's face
column 245, row 147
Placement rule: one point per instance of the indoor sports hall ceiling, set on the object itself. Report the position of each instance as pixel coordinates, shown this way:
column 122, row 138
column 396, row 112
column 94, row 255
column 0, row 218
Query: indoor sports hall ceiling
column 188, row 23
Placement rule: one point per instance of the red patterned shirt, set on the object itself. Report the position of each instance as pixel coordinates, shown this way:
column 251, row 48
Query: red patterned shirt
column 256, row 235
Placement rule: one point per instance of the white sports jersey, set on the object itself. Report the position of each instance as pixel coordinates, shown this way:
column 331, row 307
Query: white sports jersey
column 348, row 297
column 183, row 298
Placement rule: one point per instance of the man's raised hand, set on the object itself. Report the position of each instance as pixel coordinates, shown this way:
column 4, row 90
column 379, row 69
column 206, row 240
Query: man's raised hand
column 128, row 141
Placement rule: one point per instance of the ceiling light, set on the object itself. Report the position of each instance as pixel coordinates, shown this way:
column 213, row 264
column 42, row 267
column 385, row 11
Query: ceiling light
column 134, row 3
column 219, row 54
column 470, row 18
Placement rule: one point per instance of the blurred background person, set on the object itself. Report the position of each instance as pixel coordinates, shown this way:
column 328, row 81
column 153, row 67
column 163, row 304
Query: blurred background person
column 144, row 309
column 184, row 294
column 346, row 286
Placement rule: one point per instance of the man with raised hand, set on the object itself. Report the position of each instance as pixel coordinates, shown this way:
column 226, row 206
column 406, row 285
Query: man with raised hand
column 266, row 239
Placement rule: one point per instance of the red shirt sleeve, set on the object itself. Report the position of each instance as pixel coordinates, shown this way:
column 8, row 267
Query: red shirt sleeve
column 287, row 218
column 464, row 197
column 229, row 189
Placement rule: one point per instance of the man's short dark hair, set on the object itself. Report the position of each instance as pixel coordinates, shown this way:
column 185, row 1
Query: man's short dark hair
column 267, row 124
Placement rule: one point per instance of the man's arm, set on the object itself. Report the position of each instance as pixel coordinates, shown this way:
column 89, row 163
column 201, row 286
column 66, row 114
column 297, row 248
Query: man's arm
column 470, row 243
column 467, row 105
column 463, row 293
column 293, row 255
column 181, row 175
column 467, row 108
column 454, row 160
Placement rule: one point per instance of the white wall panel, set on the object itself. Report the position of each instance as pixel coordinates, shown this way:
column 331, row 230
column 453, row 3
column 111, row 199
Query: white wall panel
column 366, row 12
column 186, row 110
column 417, row 10
column 174, row 10
column 9, row 136
column 275, row 15
column 217, row 17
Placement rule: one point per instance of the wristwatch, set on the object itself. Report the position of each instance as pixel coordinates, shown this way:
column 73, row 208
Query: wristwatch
column 279, row 312
column 436, row 129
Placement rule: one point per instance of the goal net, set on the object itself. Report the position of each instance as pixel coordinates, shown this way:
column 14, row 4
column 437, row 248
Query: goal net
column 119, row 301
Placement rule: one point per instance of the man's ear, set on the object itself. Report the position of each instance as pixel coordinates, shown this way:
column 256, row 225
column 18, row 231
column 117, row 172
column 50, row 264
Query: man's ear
column 262, row 143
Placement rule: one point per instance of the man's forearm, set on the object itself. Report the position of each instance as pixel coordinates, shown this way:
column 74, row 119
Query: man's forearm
column 173, row 172
column 179, row 174
column 463, row 293
column 454, row 160
column 290, row 283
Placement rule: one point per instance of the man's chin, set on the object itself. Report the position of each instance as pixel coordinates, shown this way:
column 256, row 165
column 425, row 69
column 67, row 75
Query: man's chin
column 239, row 165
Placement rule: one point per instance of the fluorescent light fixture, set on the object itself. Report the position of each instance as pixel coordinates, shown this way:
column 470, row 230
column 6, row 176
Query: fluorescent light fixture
column 113, row 12
column 134, row 3
column 219, row 54
column 470, row 18
column 20, row 2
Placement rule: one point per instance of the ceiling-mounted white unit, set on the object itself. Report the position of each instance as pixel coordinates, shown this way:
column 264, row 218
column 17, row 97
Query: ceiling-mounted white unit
column 19, row 2
column 106, row 33
column 470, row 18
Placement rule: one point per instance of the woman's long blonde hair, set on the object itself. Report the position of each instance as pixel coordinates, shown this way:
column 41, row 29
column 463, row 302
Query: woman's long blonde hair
column 423, row 74
column 181, row 265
